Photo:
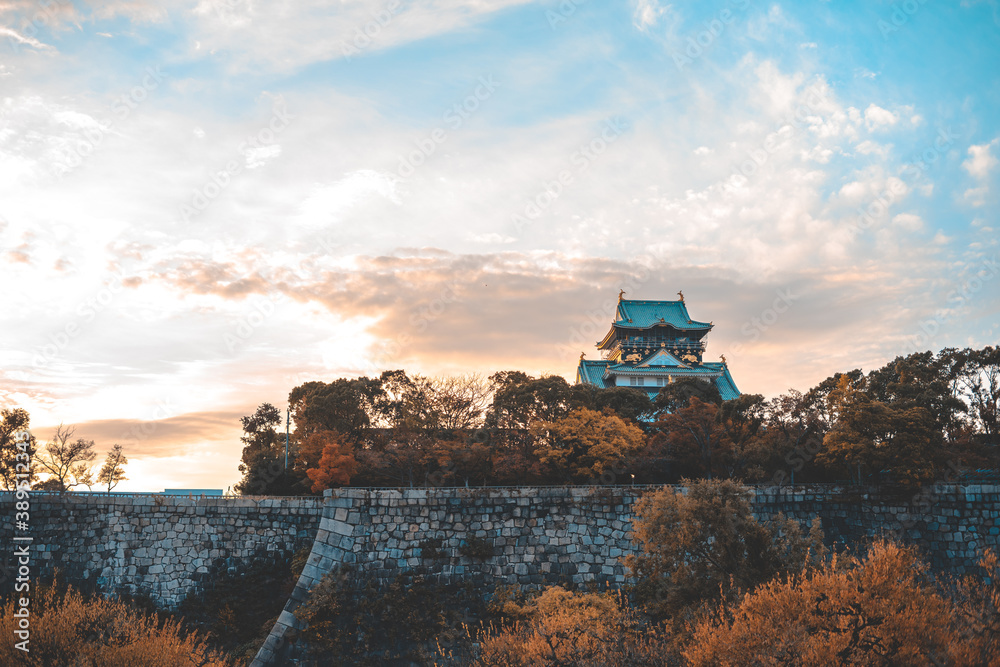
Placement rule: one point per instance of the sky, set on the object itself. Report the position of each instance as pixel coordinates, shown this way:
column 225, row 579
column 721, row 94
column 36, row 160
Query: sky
column 204, row 203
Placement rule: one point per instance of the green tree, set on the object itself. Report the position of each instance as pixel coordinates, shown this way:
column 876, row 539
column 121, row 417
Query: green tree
column 880, row 438
column 345, row 406
column 697, row 543
column 263, row 460
column 975, row 375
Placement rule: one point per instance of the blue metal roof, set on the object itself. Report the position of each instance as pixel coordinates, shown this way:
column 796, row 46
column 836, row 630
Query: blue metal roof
column 725, row 383
column 592, row 372
column 644, row 314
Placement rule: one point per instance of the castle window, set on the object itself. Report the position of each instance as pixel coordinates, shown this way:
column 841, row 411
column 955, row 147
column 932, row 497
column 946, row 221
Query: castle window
column 637, row 382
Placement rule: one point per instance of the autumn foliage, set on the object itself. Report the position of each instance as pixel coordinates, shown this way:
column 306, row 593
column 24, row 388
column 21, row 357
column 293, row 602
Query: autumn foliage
column 336, row 463
column 871, row 610
column 68, row 629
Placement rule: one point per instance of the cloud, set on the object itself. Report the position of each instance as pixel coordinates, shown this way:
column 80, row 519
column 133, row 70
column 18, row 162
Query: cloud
column 981, row 160
column 878, row 118
column 154, row 438
column 908, row 222
column 647, row 14
column 17, row 37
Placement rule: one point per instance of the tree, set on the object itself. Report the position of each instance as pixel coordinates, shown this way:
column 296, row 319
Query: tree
column 345, row 406
column 626, row 402
column 881, row 438
column 113, row 470
column 15, row 451
column 68, row 462
column 521, row 402
column 678, row 394
column 587, row 444
column 695, row 544
column 694, row 427
column 263, row 460
column 461, row 461
column 975, row 376
column 741, row 421
column 336, row 465
column 879, row 610
column 460, row 401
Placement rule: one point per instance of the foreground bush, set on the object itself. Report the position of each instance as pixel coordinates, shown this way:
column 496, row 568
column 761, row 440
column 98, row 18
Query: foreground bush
column 72, row 631
column 706, row 542
column 876, row 610
column 562, row 627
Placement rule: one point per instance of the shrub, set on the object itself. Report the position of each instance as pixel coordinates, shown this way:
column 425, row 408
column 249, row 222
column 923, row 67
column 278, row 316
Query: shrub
column 68, row 629
column 707, row 541
column 879, row 610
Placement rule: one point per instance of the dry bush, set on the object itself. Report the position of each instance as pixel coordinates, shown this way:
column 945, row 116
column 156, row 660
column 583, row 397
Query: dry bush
column 71, row 631
column 977, row 598
column 879, row 610
column 567, row 628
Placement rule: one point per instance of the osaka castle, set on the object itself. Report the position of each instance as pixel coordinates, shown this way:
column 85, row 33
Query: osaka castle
column 651, row 344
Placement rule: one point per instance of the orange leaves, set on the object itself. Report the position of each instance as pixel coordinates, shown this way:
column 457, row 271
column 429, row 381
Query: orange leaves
column 878, row 610
column 587, row 443
column 336, row 464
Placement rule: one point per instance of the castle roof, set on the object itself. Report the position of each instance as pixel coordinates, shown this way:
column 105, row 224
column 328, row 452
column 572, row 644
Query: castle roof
column 634, row 314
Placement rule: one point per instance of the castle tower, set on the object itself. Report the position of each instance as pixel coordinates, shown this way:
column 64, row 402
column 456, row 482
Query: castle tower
column 651, row 344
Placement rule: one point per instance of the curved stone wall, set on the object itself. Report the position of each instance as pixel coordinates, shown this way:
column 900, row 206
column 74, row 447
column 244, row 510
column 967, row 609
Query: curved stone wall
column 531, row 536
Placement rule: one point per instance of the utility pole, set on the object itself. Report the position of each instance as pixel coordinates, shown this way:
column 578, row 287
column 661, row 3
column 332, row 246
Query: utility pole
column 288, row 419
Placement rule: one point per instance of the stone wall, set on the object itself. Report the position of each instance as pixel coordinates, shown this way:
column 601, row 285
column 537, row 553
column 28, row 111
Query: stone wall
column 163, row 547
column 531, row 536
column 167, row 547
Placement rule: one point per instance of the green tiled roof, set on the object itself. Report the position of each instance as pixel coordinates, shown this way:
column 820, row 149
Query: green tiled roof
column 726, row 384
column 644, row 314
column 592, row 372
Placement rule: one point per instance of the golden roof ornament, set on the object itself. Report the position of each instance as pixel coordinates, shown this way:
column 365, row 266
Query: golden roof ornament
column 680, row 293
column 582, row 355
column 723, row 357
column 621, row 293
